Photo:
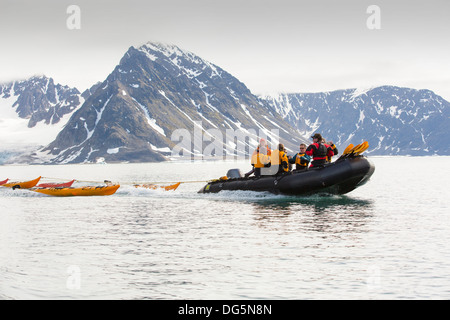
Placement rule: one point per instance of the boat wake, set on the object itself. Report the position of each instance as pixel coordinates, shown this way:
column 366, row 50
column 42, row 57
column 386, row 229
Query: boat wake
column 20, row 193
column 190, row 192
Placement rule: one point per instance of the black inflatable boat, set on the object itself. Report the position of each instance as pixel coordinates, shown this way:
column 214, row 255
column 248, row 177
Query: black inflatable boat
column 339, row 177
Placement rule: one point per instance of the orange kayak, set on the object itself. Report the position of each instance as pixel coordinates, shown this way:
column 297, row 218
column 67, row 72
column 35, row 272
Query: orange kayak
column 79, row 192
column 154, row 187
column 22, row 185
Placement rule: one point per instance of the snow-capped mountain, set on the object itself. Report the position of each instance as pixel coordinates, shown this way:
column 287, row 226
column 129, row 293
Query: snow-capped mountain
column 394, row 120
column 156, row 90
column 33, row 112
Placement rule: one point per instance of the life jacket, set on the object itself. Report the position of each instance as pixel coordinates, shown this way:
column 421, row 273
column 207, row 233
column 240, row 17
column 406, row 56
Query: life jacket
column 299, row 162
column 318, row 151
column 280, row 158
column 284, row 161
column 335, row 152
column 261, row 159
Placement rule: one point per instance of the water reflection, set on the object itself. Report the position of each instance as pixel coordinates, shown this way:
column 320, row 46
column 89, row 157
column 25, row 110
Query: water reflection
column 325, row 214
column 319, row 203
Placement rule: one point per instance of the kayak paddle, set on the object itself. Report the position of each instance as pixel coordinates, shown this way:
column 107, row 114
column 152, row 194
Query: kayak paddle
column 364, row 147
column 348, row 149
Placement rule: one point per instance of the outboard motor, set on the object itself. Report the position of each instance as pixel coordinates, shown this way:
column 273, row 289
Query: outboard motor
column 234, row 174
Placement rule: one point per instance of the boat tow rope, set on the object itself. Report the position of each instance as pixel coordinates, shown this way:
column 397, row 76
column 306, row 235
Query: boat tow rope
column 127, row 183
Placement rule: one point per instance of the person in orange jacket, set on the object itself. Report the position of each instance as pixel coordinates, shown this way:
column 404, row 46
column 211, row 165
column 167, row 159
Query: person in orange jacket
column 280, row 159
column 260, row 158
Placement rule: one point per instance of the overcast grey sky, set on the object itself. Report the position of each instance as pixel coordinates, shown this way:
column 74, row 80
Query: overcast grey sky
column 271, row 46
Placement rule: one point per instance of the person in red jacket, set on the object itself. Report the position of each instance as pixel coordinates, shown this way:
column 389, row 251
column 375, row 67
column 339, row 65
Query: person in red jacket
column 319, row 151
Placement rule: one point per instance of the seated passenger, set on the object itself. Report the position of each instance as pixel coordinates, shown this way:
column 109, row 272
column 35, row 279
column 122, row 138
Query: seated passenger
column 301, row 159
column 319, row 151
column 333, row 147
column 280, row 159
column 260, row 158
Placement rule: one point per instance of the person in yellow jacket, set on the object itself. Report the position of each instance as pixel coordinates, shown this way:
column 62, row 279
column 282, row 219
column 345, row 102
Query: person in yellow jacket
column 301, row 159
column 333, row 147
column 280, row 159
column 260, row 158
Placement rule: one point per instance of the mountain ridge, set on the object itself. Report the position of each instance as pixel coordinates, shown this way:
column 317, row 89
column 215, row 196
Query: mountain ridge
column 32, row 112
column 394, row 120
column 159, row 93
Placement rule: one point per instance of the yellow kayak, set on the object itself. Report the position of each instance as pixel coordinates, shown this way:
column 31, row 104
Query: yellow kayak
column 22, row 185
column 79, row 192
column 154, row 187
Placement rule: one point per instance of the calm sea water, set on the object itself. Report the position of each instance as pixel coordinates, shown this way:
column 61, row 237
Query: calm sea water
column 389, row 239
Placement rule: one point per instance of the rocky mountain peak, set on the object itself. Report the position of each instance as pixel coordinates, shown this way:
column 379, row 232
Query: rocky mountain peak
column 155, row 90
column 40, row 99
column 32, row 113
